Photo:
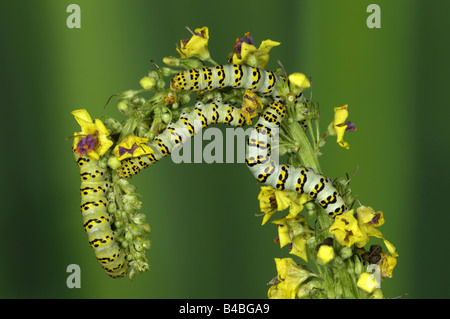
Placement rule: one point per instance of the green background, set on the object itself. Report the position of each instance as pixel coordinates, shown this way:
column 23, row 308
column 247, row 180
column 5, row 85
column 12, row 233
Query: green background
column 207, row 243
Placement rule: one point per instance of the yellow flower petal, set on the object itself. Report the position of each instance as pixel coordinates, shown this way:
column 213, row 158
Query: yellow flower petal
column 299, row 81
column 134, row 147
column 299, row 248
column 252, row 56
column 250, row 104
column 340, row 117
column 367, row 282
column 267, row 45
column 346, row 229
column 84, row 120
column 96, row 129
column 387, row 265
column 283, row 235
column 391, row 248
column 291, row 277
column 197, row 45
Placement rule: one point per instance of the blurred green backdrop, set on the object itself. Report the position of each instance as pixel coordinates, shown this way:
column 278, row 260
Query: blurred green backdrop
column 395, row 80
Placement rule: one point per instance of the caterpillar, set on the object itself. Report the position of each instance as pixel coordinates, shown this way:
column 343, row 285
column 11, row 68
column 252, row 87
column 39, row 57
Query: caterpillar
column 287, row 177
column 264, row 168
column 229, row 75
column 96, row 219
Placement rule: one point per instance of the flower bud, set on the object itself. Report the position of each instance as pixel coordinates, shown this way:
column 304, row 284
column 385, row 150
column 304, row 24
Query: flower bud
column 367, row 282
column 147, row 82
column 345, row 252
column 166, row 118
column 139, row 219
column 114, row 162
column 171, row 61
column 325, row 254
column 126, row 95
column 128, row 236
column 147, row 244
column 123, row 107
column 112, row 208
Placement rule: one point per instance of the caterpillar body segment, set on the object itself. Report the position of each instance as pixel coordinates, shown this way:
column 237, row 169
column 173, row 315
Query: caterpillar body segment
column 175, row 134
column 96, row 219
column 228, row 75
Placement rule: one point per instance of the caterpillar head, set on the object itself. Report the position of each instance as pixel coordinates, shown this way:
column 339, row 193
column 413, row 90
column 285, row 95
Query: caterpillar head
column 178, row 81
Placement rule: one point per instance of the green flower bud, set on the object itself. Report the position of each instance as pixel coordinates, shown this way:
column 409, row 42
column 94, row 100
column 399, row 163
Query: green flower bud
column 147, row 82
column 139, row 219
column 103, row 162
column 112, row 208
column 184, row 98
column 123, row 107
column 114, row 162
column 128, row 236
column 166, row 118
column 171, row 61
column 147, row 244
column 165, row 72
column 345, row 252
column 127, row 95
column 146, row 228
column 359, row 268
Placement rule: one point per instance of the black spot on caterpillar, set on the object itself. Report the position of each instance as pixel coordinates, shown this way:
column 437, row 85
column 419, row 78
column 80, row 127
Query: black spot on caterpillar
column 96, row 219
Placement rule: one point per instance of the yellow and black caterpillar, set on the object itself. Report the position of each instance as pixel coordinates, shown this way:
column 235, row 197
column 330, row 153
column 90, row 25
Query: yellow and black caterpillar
column 96, row 219
column 258, row 159
column 287, row 177
column 229, row 75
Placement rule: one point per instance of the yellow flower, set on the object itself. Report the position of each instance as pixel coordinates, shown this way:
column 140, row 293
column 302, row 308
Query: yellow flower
column 325, row 254
column 368, row 220
column 387, row 265
column 197, row 45
column 296, row 231
column 132, row 146
column 291, row 277
column 271, row 200
column 346, row 229
column 367, row 282
column 250, row 104
column 247, row 53
column 298, row 82
column 340, row 125
column 93, row 138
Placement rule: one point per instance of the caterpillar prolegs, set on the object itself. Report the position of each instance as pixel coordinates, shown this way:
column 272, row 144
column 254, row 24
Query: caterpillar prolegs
column 258, row 159
column 96, row 219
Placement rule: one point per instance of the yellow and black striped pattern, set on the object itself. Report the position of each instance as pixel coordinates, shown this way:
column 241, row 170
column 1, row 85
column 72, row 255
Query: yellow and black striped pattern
column 232, row 75
column 96, row 219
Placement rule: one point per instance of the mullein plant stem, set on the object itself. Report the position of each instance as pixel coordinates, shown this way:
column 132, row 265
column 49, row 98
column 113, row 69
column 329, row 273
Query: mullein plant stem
column 344, row 267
